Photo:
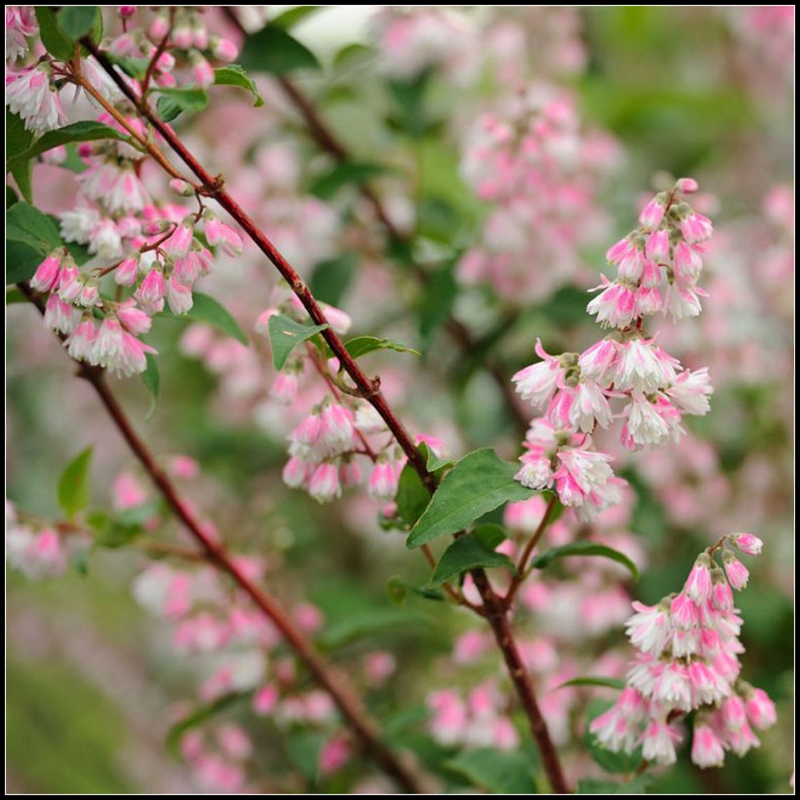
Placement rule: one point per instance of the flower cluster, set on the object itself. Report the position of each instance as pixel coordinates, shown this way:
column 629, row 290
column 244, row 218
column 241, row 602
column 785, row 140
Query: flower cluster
column 688, row 661
column 37, row 552
column 539, row 170
column 575, row 389
column 327, row 447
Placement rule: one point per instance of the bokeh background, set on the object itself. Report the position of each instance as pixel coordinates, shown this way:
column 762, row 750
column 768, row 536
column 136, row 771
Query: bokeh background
column 92, row 682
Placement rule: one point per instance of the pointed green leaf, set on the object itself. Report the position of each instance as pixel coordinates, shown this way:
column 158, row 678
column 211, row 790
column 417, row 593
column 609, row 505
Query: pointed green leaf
column 275, row 51
column 412, row 496
column 477, row 484
column 86, row 131
column 56, row 42
column 490, row 535
column 433, row 462
column 27, row 225
column 330, row 278
column 21, row 262
column 294, row 15
column 207, row 309
column 584, row 548
column 285, row 334
column 173, row 101
column 497, row 771
column 77, row 21
column 151, row 378
column 362, row 345
column 234, row 75
column 73, row 485
column 464, row 554
column 14, row 296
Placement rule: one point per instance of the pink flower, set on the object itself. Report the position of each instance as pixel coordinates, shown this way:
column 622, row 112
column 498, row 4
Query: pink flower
column 297, row 472
column 760, row 709
column 657, row 247
column 336, row 428
column 224, row 236
column 672, row 688
column 698, row 584
column 81, row 342
column 652, row 214
column 202, row 71
column 687, row 264
column 649, row 628
column 47, row 273
column 150, row 295
column 383, row 481
column 747, row 543
column 223, row 49
column 736, row 571
column 265, row 700
column 658, row 743
column 696, row 228
column 29, row 94
column 235, row 742
column 333, row 755
column 179, row 296
column 707, row 750
column 60, row 316
column 127, row 272
column 691, row 390
column 585, row 480
column 133, row 319
column 537, row 383
column 599, row 362
column 324, row 483
column 615, row 306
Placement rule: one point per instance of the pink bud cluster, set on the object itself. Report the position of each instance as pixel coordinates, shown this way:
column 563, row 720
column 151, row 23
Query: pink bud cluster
column 575, row 390
column 688, row 661
column 539, row 171
column 330, row 444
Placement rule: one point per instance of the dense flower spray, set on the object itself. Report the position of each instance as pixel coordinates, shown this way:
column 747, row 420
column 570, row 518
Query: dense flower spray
column 658, row 266
column 688, row 661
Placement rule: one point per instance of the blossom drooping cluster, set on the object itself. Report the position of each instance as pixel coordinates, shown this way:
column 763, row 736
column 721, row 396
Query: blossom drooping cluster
column 327, row 447
column 151, row 247
column 658, row 266
column 539, row 170
column 688, row 661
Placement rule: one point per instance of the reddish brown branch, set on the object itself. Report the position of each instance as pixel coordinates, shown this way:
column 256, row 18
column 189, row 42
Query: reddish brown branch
column 326, row 674
column 370, row 390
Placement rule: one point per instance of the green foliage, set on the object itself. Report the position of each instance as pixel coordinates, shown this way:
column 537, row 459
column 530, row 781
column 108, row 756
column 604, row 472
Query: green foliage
column 77, row 21
column 330, row 279
column 18, row 139
column 206, row 309
column 285, row 334
column 609, row 683
column 408, row 97
column 234, row 75
column 583, row 548
column 151, row 378
column 466, row 553
column 74, row 485
column 84, row 131
column 477, row 484
column 436, row 302
column 362, row 345
column 291, row 17
column 490, row 534
column 594, row 786
column 368, row 623
column 200, row 716
column 496, row 771
column 175, row 101
column 412, row 496
column 56, row 42
column 273, row 50
column 340, row 175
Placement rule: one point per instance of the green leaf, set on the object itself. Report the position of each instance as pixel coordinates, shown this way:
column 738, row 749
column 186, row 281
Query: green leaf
column 478, row 483
column 584, row 549
column 151, row 378
column 27, row 225
column 73, row 485
column 362, row 345
column 86, row 131
column 285, row 334
column 608, row 760
column 433, row 462
column 330, row 279
column 275, row 51
column 77, row 21
column 56, row 43
column 207, row 309
column 490, row 535
column 412, row 496
column 303, row 749
column 22, row 173
column 14, row 296
column 173, row 101
column 464, row 554
column 117, row 534
column 21, row 262
column 328, row 184
column 11, row 196
column 234, row 75
column 198, row 717
column 350, row 52
column 437, row 301
column 291, row 17
column 497, row 771
column 368, row 623
column 611, row 683
column 595, row 786
column 409, row 99
column 18, row 139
